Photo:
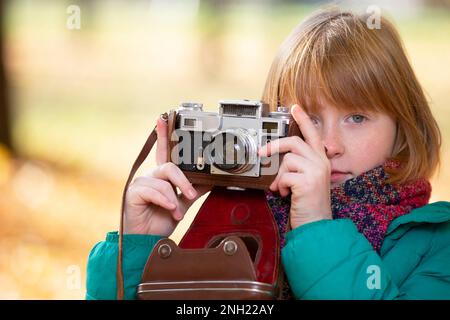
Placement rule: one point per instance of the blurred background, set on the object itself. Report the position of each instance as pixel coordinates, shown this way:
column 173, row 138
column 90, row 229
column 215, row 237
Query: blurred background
column 81, row 85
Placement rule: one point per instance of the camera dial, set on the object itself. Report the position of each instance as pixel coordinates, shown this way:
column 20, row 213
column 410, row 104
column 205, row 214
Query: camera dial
column 281, row 113
column 191, row 106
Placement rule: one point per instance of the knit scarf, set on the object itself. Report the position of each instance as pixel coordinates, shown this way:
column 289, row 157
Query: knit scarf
column 368, row 200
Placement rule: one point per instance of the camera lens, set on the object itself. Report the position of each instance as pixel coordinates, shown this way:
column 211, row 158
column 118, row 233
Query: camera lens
column 234, row 151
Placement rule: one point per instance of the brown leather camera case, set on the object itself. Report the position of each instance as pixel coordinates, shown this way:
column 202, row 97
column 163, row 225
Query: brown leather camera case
column 222, row 272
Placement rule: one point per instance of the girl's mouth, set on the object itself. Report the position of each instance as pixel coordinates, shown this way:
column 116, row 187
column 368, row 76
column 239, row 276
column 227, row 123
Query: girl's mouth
column 338, row 176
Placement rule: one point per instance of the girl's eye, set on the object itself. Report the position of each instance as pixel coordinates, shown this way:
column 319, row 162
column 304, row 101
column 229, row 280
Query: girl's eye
column 357, row 118
column 314, row 120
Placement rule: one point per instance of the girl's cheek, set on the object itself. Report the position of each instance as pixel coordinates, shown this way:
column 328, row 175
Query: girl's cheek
column 366, row 151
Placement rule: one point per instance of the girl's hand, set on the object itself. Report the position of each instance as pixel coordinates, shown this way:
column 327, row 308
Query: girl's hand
column 152, row 205
column 305, row 172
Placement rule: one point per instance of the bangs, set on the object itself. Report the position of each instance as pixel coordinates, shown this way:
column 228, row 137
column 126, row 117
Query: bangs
column 334, row 69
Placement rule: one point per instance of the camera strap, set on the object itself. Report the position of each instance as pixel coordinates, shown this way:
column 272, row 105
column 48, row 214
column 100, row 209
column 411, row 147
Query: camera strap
column 151, row 140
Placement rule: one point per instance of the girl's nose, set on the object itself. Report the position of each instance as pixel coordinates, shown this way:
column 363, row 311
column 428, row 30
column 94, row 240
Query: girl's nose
column 333, row 145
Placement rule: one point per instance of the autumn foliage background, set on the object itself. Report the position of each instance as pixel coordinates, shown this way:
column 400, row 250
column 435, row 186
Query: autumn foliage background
column 84, row 101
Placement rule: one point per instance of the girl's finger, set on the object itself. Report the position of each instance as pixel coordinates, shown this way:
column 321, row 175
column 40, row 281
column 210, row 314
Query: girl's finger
column 292, row 144
column 161, row 185
column 291, row 163
column 166, row 189
column 201, row 190
column 170, row 172
column 287, row 165
column 149, row 195
column 162, row 142
column 307, row 128
column 287, row 182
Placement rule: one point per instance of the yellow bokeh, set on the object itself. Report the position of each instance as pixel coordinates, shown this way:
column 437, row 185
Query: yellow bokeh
column 84, row 101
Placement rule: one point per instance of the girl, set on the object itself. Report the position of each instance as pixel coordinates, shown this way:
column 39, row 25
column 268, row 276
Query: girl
column 353, row 194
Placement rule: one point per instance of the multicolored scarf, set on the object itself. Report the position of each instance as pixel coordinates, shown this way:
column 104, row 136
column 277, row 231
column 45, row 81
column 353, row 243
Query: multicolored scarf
column 368, row 200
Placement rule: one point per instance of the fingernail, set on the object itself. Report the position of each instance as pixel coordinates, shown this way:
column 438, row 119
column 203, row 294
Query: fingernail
column 192, row 193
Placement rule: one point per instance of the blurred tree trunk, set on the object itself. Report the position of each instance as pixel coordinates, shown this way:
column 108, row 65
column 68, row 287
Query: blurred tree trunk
column 5, row 115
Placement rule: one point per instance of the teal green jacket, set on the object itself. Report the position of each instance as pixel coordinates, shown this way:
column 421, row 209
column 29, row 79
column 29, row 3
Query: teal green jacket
column 327, row 259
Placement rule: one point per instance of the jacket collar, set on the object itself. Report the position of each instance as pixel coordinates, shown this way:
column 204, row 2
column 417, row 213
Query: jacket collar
column 435, row 212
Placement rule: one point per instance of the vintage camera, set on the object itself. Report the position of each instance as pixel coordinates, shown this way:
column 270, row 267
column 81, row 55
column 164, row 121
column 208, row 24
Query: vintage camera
column 221, row 148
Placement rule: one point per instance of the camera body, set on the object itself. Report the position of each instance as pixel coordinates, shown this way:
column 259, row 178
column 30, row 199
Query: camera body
column 220, row 148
